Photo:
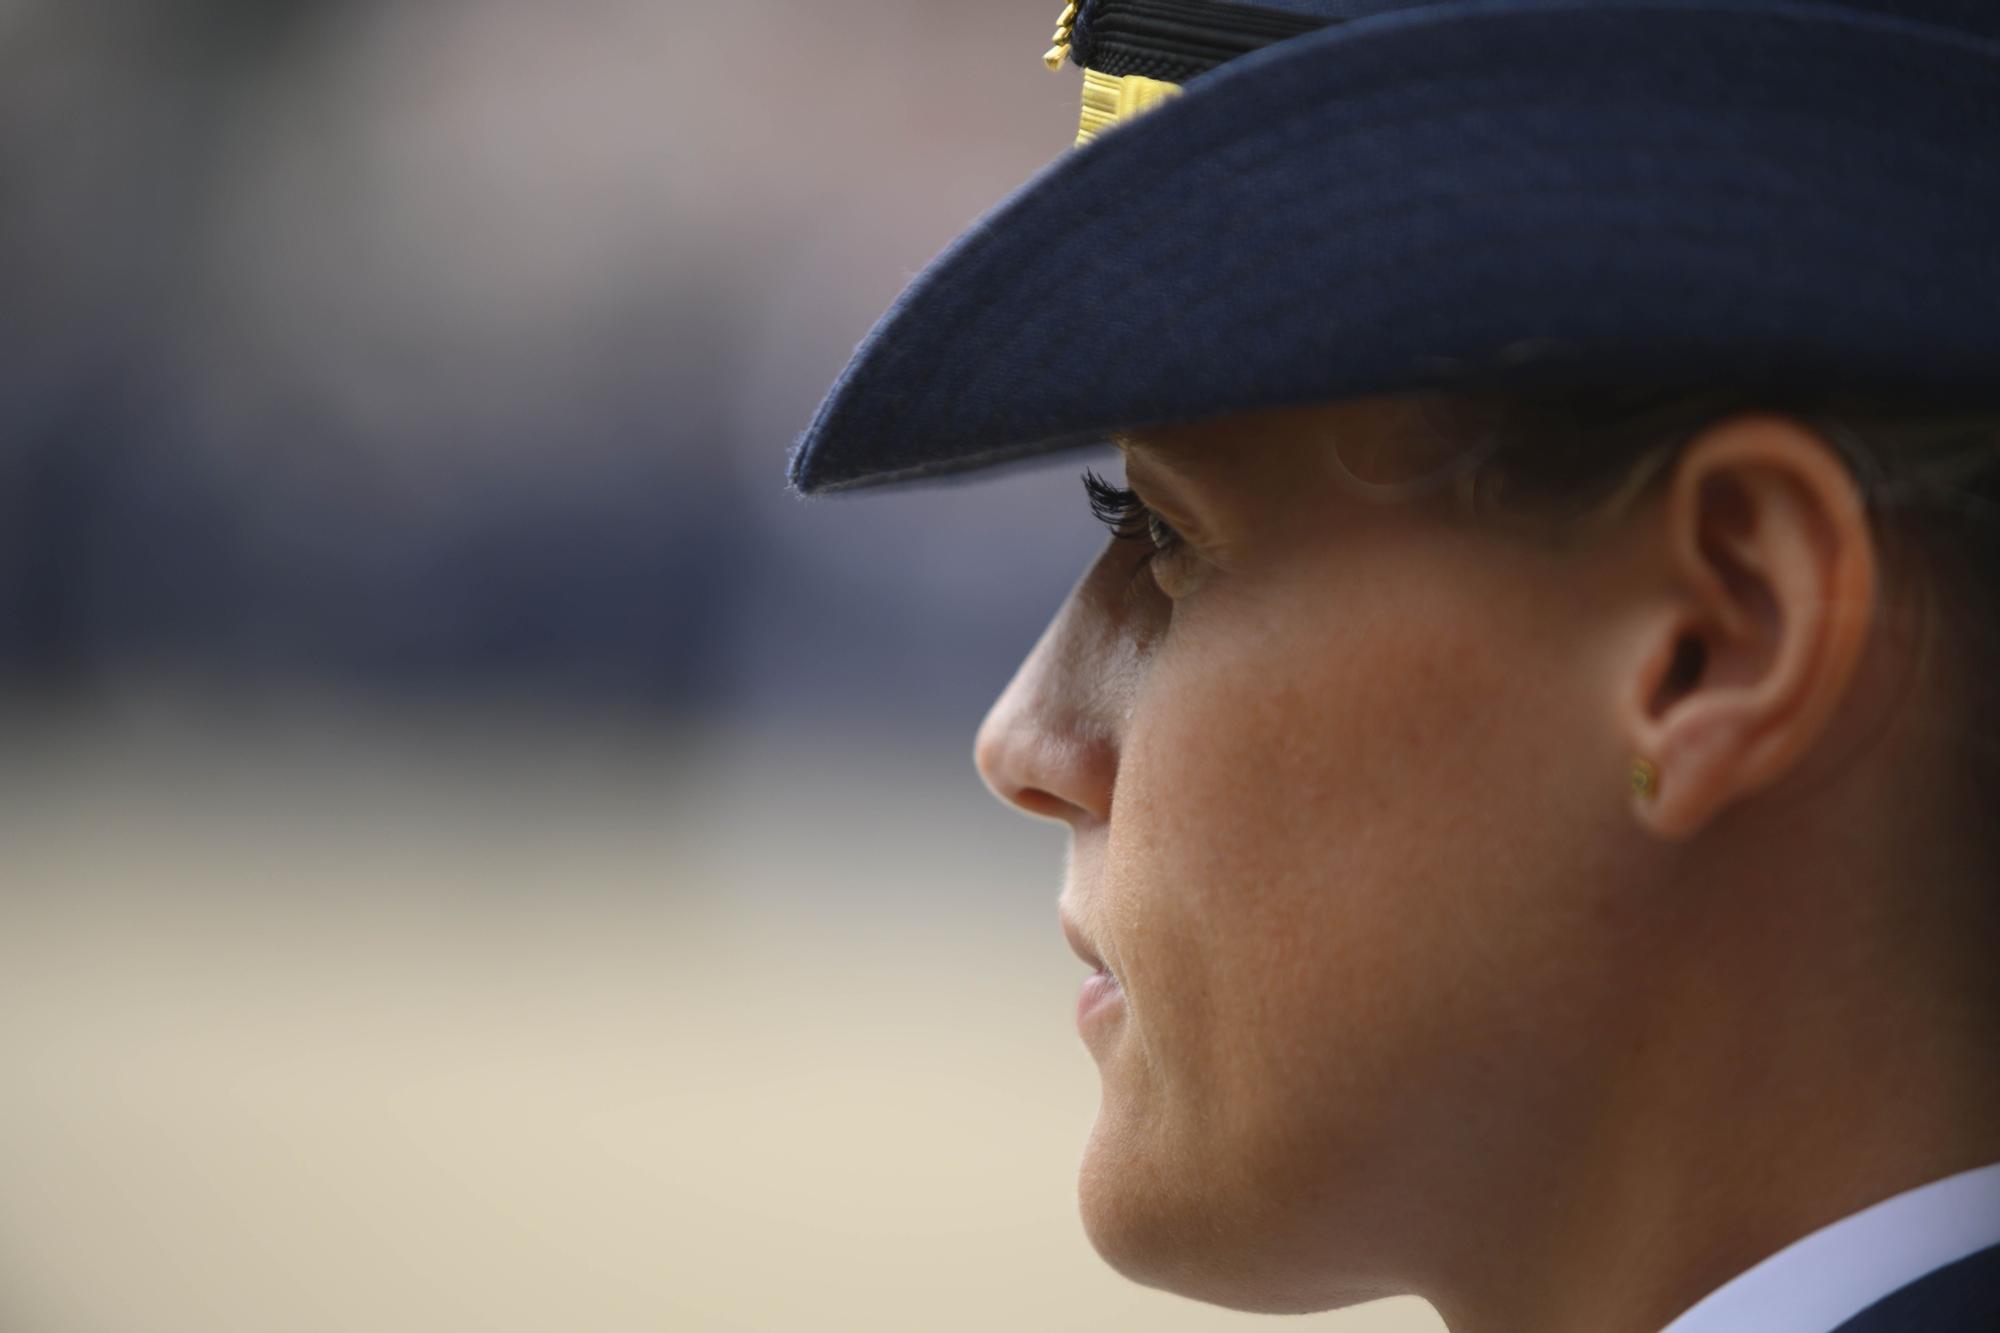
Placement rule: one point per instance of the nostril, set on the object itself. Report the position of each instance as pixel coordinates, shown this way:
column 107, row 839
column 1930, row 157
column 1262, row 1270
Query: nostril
column 1045, row 760
column 1044, row 805
column 1003, row 767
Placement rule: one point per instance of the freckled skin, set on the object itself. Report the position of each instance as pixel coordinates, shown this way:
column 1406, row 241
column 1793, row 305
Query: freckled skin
column 1351, row 826
column 1320, row 769
column 1312, row 875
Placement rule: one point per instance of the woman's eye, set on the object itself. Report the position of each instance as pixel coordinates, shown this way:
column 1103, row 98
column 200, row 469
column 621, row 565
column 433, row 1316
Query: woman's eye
column 1131, row 519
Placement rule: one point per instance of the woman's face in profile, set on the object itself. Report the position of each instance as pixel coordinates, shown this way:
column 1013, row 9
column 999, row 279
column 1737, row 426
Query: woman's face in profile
column 1346, row 832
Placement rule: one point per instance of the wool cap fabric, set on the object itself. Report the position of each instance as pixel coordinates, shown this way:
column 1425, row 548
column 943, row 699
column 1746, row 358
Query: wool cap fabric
column 1477, row 195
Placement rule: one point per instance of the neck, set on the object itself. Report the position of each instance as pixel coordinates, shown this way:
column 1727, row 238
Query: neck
column 1792, row 1063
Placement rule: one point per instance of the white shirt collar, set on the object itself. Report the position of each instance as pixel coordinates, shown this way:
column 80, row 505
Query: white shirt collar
column 1816, row 1284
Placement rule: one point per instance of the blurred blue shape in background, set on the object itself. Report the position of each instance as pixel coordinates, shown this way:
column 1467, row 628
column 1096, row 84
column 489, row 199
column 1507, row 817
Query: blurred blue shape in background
column 457, row 348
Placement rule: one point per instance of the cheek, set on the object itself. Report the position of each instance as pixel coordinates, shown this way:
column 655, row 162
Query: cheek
column 1319, row 838
column 1287, row 836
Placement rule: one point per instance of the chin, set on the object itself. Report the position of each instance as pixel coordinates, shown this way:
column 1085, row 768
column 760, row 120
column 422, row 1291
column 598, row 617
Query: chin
column 1164, row 1228
column 1189, row 1231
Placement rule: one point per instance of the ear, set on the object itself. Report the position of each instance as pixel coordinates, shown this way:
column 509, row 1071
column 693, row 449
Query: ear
column 1770, row 569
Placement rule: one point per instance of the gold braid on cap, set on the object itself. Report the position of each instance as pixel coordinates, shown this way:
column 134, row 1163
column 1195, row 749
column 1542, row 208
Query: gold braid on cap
column 1129, row 45
column 1107, row 98
column 1110, row 98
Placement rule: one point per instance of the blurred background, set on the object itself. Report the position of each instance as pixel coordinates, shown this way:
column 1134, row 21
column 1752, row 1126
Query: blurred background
column 479, row 853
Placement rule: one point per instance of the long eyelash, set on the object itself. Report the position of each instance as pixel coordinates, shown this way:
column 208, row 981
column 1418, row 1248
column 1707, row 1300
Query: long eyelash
column 1115, row 507
column 1128, row 517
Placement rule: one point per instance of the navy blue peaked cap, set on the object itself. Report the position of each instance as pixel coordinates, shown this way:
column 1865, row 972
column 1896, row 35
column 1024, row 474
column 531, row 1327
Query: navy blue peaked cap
column 1480, row 195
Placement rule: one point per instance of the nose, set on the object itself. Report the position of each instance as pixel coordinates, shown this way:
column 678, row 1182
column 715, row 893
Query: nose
column 1049, row 746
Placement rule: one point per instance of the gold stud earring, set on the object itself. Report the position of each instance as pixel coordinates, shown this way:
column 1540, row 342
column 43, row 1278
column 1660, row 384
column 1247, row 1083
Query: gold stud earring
column 1645, row 778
